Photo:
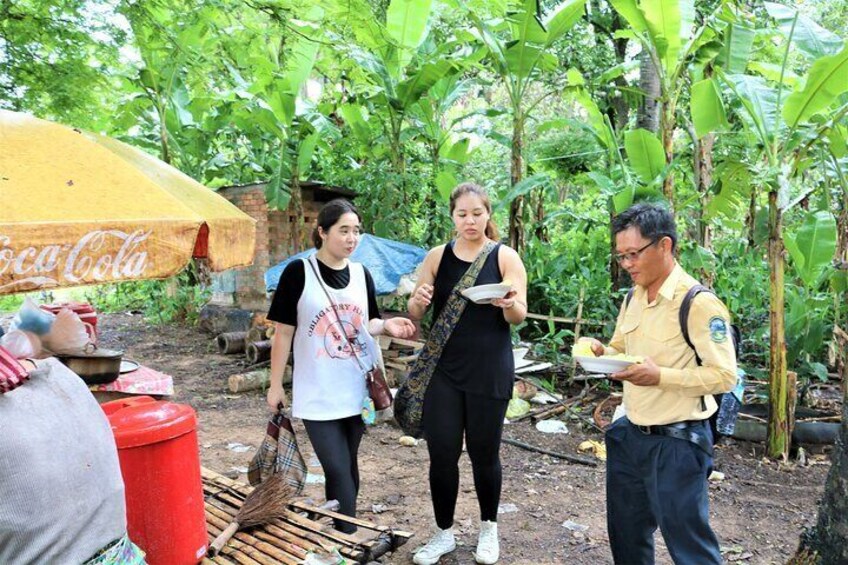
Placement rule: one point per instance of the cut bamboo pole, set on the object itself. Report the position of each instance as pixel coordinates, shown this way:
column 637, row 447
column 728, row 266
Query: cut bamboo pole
column 316, row 538
column 257, row 352
column 254, row 553
column 268, row 552
column 218, row 521
column 336, row 515
column 231, row 342
column 273, row 530
column 292, row 544
column 550, row 413
column 239, row 556
column 290, row 548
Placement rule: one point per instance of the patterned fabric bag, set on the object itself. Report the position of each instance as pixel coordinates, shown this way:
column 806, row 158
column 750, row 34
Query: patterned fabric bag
column 119, row 552
column 278, row 454
column 409, row 401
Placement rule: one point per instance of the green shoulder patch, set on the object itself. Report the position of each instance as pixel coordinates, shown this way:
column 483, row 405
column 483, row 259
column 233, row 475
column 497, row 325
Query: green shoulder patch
column 718, row 329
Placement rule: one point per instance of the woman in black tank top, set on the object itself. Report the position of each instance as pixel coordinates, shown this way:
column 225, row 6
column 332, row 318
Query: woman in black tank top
column 472, row 384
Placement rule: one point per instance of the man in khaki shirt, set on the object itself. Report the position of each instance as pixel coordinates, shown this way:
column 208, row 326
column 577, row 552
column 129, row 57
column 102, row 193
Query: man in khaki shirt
column 660, row 454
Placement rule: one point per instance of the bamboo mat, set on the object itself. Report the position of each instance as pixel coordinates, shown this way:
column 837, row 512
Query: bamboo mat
column 291, row 537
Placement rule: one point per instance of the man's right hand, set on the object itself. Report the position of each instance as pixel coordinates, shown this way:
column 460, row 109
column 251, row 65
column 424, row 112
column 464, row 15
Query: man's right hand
column 597, row 347
column 276, row 398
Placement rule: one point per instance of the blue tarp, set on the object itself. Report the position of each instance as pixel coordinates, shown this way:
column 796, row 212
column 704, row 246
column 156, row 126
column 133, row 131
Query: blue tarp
column 386, row 260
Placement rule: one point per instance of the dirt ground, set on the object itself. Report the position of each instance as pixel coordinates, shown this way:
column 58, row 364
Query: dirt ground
column 758, row 511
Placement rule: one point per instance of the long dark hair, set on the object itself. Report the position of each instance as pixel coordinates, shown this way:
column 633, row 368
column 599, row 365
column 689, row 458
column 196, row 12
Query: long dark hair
column 329, row 216
column 477, row 190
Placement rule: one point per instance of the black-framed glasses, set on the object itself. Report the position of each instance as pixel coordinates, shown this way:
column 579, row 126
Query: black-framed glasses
column 633, row 255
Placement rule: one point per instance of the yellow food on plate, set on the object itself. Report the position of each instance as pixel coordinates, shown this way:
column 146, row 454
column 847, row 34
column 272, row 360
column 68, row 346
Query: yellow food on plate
column 582, row 349
column 507, row 282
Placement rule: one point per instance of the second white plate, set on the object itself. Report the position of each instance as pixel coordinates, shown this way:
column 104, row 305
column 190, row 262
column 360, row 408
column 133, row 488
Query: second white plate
column 603, row 364
column 485, row 293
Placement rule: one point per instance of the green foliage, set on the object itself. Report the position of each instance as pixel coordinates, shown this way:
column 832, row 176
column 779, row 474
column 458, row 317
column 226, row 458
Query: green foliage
column 176, row 300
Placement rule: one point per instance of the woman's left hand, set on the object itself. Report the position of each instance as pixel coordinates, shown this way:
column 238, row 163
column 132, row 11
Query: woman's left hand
column 399, row 327
column 507, row 302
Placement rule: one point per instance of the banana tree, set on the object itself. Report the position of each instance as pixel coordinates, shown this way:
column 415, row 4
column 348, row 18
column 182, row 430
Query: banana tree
column 398, row 68
column 788, row 130
column 282, row 65
column 447, row 148
column 519, row 52
column 665, row 30
column 626, row 181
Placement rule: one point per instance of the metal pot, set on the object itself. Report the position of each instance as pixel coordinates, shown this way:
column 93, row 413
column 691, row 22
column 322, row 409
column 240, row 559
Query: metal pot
column 99, row 366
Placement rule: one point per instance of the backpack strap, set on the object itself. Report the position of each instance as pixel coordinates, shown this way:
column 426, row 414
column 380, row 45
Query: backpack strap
column 683, row 316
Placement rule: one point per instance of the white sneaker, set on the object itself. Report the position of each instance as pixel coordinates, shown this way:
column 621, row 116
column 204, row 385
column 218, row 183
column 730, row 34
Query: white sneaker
column 442, row 543
column 488, row 548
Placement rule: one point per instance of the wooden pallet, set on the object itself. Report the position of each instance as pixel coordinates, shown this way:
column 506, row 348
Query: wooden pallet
column 288, row 539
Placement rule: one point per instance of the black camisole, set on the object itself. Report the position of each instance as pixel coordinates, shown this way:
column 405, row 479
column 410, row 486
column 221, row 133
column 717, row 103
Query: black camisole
column 478, row 355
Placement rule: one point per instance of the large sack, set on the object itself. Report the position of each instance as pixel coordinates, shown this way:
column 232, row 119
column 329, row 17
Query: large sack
column 61, row 492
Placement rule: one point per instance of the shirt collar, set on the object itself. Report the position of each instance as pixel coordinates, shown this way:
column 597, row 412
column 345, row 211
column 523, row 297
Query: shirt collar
column 670, row 284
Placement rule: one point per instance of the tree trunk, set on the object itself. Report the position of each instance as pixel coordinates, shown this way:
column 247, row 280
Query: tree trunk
column 778, row 423
column 752, row 219
column 649, row 83
column 619, row 106
column 704, row 164
column 163, row 135
column 618, row 276
column 433, row 235
column 829, row 538
column 667, row 124
column 516, row 207
column 541, row 230
column 296, row 208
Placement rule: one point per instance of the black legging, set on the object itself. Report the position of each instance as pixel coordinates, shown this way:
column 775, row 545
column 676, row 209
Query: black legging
column 336, row 443
column 447, row 413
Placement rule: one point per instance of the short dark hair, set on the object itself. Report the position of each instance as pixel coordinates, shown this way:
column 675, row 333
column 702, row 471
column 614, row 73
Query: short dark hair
column 654, row 222
column 329, row 216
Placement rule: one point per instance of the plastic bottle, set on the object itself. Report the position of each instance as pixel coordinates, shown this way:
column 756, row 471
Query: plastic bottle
column 730, row 405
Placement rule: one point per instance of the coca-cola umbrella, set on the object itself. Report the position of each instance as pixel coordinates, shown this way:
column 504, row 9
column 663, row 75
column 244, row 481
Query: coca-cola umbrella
column 79, row 208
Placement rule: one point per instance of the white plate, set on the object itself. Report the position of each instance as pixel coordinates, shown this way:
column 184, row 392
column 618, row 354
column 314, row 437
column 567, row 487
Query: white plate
column 128, row 366
column 485, row 293
column 603, row 364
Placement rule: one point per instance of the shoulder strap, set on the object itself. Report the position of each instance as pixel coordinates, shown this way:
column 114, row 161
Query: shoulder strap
column 629, row 297
column 452, row 310
column 683, row 316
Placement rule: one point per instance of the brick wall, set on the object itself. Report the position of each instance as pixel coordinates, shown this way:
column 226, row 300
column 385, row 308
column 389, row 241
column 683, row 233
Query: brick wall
column 273, row 239
column 250, row 281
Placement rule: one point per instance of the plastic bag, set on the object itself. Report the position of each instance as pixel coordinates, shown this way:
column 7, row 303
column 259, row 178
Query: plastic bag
column 517, row 408
column 67, row 334
column 21, row 344
column 33, row 319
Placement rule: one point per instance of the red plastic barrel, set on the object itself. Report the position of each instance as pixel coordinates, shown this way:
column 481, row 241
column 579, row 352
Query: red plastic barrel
column 160, row 463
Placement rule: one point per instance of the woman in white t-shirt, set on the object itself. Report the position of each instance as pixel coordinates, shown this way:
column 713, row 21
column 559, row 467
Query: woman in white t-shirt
column 328, row 385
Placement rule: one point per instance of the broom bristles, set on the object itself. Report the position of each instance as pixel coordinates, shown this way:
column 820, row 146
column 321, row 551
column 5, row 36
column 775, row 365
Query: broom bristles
column 267, row 501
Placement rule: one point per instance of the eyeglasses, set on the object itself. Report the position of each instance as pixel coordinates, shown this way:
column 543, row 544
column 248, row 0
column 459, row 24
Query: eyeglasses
column 633, row 255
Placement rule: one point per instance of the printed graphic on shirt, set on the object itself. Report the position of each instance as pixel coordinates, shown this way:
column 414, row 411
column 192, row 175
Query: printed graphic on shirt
column 718, row 329
column 341, row 335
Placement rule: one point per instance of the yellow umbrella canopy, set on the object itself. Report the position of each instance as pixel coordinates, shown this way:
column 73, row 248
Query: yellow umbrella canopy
column 79, row 208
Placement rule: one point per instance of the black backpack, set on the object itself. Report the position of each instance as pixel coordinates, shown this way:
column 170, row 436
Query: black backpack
column 735, row 337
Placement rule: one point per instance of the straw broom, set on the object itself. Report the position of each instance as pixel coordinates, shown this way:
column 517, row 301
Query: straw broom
column 267, row 501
